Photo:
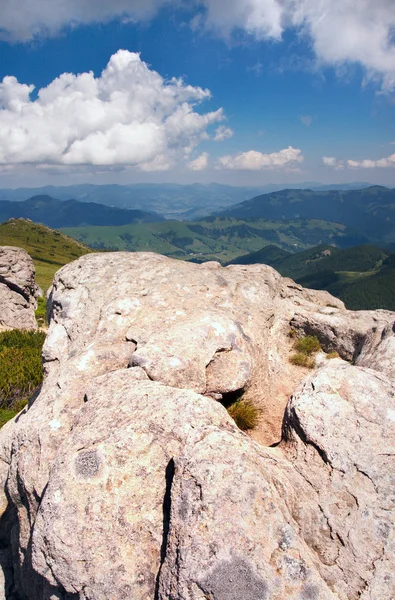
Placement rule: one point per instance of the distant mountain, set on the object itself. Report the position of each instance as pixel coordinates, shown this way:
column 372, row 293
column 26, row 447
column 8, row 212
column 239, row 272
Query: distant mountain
column 71, row 213
column 362, row 276
column 174, row 201
column 49, row 249
column 370, row 211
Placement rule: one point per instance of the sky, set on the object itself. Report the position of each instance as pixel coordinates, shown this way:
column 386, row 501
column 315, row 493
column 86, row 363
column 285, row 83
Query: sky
column 244, row 92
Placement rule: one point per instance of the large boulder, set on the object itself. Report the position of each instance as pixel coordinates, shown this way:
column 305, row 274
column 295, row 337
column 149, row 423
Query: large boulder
column 339, row 434
column 126, row 477
column 18, row 289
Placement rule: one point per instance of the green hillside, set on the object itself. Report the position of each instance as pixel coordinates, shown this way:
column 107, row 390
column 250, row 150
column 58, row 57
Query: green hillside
column 49, row 249
column 371, row 291
column 269, row 255
column 362, row 276
column 219, row 238
column 370, row 211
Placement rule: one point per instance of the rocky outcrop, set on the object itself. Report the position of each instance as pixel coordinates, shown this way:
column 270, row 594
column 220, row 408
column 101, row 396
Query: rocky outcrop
column 18, row 289
column 126, row 477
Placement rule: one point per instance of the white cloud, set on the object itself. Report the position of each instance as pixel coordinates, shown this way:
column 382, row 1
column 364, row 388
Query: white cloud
column 261, row 18
column 200, row 163
column 366, row 163
column 306, row 120
column 341, row 32
column 223, row 133
column 129, row 115
column 256, row 161
column 25, row 19
column 331, row 161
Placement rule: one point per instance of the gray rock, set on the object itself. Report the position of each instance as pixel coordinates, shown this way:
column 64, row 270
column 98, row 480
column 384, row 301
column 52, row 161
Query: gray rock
column 124, row 478
column 339, row 434
column 232, row 530
column 18, row 290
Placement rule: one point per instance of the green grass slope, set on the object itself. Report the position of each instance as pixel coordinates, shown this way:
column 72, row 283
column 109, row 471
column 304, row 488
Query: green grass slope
column 49, row 249
column 21, row 370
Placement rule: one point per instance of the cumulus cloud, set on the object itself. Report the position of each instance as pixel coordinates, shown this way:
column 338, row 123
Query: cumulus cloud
column 223, row 133
column 365, row 163
column 128, row 116
column 200, row 163
column 340, row 31
column 256, row 161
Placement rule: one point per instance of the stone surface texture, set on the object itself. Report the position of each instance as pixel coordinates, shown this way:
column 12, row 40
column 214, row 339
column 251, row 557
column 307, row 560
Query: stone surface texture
column 126, row 478
column 18, row 289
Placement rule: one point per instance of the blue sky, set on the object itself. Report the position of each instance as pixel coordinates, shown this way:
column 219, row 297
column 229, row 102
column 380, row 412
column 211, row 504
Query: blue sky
column 265, row 92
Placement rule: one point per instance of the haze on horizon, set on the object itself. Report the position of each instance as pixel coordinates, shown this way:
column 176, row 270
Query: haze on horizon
column 244, row 92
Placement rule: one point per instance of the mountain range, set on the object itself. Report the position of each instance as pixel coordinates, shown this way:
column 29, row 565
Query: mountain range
column 72, row 213
column 370, row 212
column 173, row 201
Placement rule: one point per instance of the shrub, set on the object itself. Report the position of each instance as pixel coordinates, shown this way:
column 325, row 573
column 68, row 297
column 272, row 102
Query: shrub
column 302, row 360
column 333, row 354
column 308, row 345
column 245, row 414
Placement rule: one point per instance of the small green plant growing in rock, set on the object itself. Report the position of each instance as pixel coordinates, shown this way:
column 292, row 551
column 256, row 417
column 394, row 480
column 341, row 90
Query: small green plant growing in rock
column 245, row 414
column 308, row 345
column 305, row 348
column 332, row 354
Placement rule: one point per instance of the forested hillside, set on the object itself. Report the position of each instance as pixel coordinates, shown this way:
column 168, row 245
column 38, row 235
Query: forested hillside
column 370, row 212
column 362, row 276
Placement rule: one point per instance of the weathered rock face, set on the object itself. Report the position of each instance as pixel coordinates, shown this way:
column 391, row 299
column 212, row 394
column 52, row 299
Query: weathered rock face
column 18, row 290
column 125, row 478
column 339, row 434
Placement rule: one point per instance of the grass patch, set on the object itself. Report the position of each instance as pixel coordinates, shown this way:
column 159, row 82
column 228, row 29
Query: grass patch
column 245, row 414
column 21, row 370
column 308, row 345
column 333, row 354
column 49, row 249
column 6, row 414
column 302, row 360
column 41, row 312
